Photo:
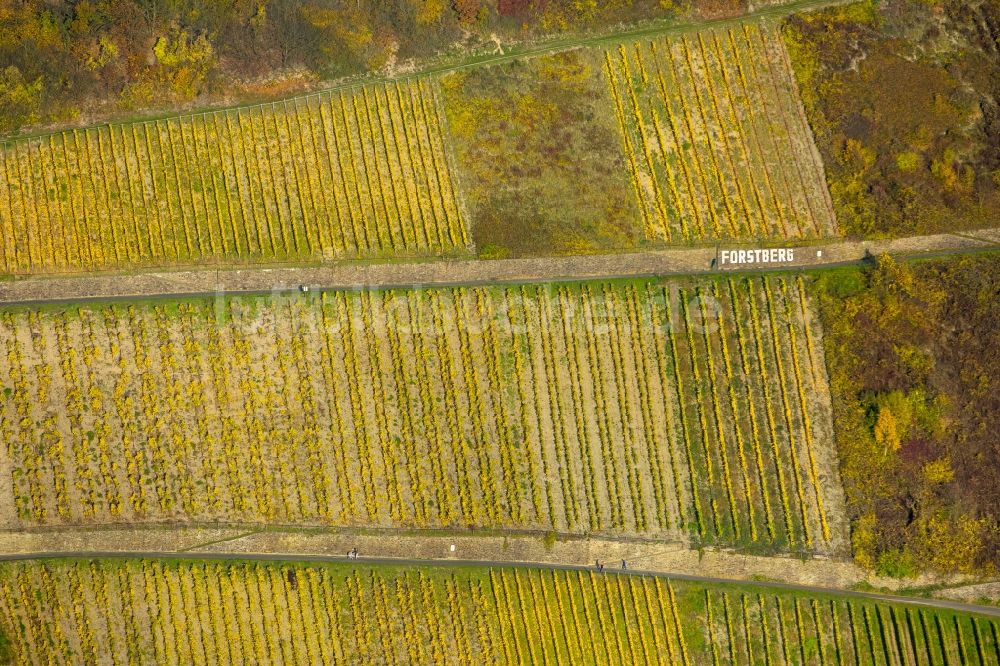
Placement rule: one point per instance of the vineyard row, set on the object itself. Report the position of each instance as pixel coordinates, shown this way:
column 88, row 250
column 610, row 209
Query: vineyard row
column 337, row 175
column 691, row 410
column 715, row 137
column 254, row 613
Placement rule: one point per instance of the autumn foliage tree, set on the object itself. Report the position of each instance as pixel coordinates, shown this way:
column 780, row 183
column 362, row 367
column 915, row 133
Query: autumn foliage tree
column 911, row 352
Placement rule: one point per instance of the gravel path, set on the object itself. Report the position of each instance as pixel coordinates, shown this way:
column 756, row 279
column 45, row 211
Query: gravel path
column 410, row 549
column 678, row 261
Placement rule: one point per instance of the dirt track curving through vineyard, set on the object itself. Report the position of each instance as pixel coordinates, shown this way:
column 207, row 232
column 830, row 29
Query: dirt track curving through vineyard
column 266, row 280
column 417, row 548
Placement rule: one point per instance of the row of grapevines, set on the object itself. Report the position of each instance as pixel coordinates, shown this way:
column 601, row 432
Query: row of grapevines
column 715, row 140
column 357, row 173
column 598, row 407
column 240, row 612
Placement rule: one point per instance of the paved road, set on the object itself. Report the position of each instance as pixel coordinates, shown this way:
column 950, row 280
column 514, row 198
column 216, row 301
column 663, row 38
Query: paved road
column 263, row 557
column 673, row 261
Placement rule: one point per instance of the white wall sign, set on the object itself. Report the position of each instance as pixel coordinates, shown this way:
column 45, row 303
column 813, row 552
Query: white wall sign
column 756, row 257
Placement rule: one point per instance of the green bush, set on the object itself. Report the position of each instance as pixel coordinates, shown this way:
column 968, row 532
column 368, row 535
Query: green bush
column 897, row 564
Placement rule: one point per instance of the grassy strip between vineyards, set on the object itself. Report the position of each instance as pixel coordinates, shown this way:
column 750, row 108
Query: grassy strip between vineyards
column 170, row 612
column 687, row 409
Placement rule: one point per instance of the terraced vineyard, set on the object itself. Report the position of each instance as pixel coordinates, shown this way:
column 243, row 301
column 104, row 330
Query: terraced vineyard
column 601, row 407
column 234, row 613
column 717, row 142
column 336, row 175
